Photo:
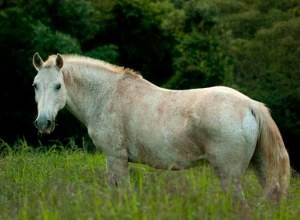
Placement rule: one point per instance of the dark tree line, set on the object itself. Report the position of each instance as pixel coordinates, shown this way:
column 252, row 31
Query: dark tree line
column 252, row 46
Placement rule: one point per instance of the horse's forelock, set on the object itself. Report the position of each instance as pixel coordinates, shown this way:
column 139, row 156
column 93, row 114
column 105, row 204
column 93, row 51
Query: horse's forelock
column 50, row 62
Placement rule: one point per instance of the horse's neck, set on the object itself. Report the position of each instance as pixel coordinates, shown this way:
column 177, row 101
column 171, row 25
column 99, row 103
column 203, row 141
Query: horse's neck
column 88, row 91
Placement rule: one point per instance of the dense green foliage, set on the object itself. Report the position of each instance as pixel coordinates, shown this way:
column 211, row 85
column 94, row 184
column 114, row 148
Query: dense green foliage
column 72, row 185
column 249, row 45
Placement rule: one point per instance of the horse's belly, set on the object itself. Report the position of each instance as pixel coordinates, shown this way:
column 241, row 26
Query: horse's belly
column 164, row 156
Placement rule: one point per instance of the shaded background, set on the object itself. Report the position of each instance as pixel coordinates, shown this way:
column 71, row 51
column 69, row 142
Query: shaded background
column 252, row 46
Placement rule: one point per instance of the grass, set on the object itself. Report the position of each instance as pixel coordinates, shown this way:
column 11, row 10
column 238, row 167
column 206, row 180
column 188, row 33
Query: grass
column 72, row 185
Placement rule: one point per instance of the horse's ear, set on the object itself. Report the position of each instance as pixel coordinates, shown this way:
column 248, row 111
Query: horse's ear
column 37, row 61
column 59, row 61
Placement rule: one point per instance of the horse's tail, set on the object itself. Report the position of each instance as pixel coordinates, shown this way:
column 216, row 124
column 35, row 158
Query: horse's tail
column 271, row 155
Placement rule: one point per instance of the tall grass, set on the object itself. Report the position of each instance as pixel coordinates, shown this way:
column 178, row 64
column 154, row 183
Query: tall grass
column 69, row 184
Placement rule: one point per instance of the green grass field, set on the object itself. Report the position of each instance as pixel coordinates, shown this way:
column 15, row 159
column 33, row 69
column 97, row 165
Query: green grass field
column 72, row 185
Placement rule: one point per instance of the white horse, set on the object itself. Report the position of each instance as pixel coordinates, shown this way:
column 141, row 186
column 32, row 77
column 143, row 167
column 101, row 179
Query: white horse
column 131, row 119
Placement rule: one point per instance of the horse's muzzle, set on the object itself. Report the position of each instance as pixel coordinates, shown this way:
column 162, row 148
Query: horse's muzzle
column 44, row 124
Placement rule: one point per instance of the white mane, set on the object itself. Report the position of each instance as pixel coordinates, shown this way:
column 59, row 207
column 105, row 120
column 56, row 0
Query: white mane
column 87, row 61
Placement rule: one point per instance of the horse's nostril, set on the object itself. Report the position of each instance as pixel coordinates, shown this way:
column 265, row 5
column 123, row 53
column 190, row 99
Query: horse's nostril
column 43, row 123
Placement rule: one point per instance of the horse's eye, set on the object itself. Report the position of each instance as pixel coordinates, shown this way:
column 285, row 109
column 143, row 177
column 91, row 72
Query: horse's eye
column 57, row 86
column 35, row 86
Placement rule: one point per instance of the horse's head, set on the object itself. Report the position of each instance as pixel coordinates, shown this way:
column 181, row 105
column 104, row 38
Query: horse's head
column 50, row 92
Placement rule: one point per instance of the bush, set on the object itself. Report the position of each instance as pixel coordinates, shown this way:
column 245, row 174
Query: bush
column 107, row 53
column 47, row 41
column 201, row 63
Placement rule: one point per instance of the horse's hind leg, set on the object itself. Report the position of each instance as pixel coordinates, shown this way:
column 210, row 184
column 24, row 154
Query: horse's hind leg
column 230, row 164
column 231, row 184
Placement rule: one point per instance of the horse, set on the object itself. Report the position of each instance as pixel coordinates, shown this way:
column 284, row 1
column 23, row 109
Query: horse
column 132, row 120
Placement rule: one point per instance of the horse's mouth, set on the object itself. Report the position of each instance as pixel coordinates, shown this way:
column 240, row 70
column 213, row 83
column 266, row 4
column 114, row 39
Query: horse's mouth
column 48, row 130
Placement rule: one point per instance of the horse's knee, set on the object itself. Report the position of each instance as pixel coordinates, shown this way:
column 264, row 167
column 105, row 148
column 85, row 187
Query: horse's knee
column 117, row 171
column 116, row 180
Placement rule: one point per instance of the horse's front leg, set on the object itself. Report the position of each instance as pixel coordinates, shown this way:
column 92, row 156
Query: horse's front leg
column 117, row 168
column 116, row 152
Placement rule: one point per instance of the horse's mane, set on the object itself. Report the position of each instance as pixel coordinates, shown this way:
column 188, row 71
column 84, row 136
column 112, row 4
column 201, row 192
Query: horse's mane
column 82, row 60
